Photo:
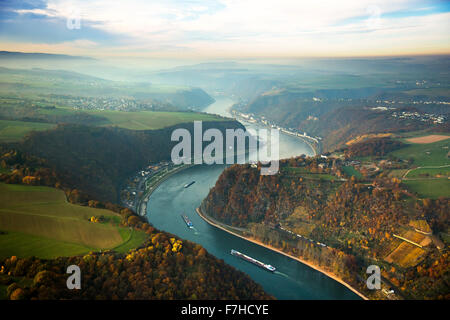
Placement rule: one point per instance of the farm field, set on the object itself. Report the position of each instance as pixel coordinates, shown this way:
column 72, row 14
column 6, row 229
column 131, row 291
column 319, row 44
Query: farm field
column 11, row 131
column 25, row 245
column 14, row 130
column 421, row 225
column 131, row 238
column 428, row 172
column 428, row 139
column 301, row 172
column 397, row 173
column 405, row 255
column 429, row 188
column 320, row 176
column 40, row 217
column 150, row 120
column 430, row 178
column 351, row 171
column 432, row 154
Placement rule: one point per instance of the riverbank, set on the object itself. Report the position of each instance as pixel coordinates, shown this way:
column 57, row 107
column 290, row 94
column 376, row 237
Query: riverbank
column 315, row 148
column 309, row 264
column 142, row 202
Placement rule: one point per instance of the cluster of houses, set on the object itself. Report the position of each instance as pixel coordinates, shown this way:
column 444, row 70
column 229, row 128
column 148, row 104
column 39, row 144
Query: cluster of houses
column 107, row 103
column 412, row 115
column 412, row 102
column 424, row 117
column 291, row 131
column 137, row 184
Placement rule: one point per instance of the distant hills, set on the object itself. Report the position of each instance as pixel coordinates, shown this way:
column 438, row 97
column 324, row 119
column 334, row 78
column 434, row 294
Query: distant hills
column 37, row 55
column 341, row 114
column 230, row 78
column 62, row 82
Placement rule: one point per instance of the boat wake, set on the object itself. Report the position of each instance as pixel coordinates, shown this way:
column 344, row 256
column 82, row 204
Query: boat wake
column 282, row 274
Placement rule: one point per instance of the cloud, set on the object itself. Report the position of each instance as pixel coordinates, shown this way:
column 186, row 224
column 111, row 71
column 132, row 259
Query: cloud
column 234, row 27
column 26, row 4
column 34, row 22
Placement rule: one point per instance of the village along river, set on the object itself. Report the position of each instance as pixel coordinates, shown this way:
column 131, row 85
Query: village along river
column 292, row 280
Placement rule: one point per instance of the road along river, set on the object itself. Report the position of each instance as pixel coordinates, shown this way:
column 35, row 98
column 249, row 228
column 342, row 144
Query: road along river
column 292, row 280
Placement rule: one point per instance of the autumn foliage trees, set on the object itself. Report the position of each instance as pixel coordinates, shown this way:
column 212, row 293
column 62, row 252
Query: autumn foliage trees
column 93, row 160
column 89, row 164
column 163, row 268
column 356, row 220
column 373, row 147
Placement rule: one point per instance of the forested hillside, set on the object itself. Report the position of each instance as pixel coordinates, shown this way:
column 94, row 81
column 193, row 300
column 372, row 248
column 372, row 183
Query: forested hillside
column 314, row 210
column 344, row 124
column 95, row 160
column 340, row 115
column 89, row 164
column 165, row 267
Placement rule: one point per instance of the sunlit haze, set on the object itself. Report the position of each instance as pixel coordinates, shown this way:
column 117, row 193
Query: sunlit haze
column 226, row 28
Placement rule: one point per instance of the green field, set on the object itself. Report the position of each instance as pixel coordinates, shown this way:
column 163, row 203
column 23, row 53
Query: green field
column 150, row 120
column 320, row 176
column 397, row 173
column 33, row 102
column 351, row 171
column 132, row 239
column 428, row 172
column 26, row 245
column 304, row 173
column 38, row 82
column 429, row 188
column 432, row 154
column 427, row 181
column 295, row 170
column 39, row 221
column 11, row 131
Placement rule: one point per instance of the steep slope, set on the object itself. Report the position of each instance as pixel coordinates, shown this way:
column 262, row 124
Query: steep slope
column 98, row 159
column 339, row 225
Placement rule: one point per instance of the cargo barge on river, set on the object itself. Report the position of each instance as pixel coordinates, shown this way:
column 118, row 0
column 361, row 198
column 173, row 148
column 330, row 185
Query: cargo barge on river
column 260, row 264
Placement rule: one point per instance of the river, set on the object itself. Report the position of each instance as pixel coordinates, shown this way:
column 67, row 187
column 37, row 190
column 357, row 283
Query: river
column 292, row 280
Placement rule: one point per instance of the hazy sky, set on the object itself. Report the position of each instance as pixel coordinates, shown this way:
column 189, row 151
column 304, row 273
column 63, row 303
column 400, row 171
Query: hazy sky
column 226, row 28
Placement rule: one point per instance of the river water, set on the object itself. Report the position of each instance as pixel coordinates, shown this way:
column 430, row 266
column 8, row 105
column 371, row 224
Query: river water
column 292, row 280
